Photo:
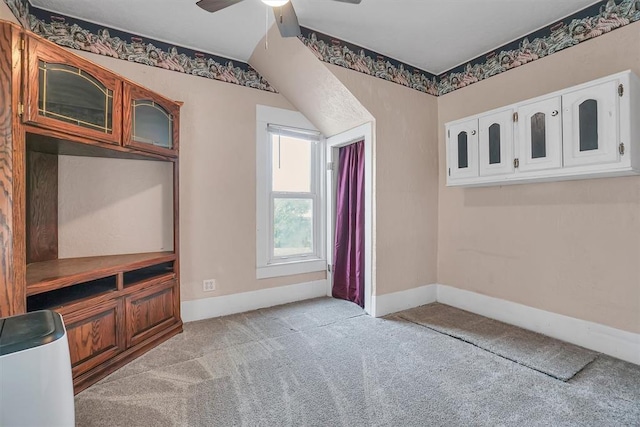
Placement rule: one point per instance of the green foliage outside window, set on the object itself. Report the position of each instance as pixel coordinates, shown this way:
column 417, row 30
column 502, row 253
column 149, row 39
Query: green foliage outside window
column 293, row 226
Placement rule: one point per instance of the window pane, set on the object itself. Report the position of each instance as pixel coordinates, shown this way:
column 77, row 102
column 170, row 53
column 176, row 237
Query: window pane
column 538, row 136
column 589, row 125
column 494, row 144
column 291, row 164
column 292, row 227
column 463, row 160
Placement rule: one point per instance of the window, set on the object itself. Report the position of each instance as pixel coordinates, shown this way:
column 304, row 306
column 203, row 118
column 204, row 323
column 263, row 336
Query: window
column 290, row 199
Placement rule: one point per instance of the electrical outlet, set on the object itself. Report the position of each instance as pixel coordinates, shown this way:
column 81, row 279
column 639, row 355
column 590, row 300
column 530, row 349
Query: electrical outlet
column 209, row 285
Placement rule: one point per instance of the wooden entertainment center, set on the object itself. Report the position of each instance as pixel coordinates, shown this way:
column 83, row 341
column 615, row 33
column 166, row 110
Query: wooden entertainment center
column 53, row 102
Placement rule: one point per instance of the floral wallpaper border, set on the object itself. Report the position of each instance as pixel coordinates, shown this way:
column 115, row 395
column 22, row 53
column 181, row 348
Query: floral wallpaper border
column 583, row 25
column 588, row 23
column 335, row 51
column 89, row 37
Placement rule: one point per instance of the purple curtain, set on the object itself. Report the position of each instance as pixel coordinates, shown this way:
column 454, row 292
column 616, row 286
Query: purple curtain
column 348, row 254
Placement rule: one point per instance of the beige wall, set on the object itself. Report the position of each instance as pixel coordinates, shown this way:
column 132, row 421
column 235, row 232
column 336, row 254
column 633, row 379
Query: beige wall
column 405, row 187
column 217, row 184
column 6, row 14
column 113, row 206
column 296, row 72
column 405, row 180
column 568, row 247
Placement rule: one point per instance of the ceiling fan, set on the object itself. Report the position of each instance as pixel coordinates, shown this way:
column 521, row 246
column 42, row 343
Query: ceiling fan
column 283, row 9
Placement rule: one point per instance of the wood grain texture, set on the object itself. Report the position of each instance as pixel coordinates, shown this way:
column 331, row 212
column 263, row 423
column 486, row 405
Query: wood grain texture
column 56, row 142
column 48, row 275
column 149, row 311
column 93, row 335
column 12, row 292
column 84, row 380
column 134, row 92
column 99, row 299
column 43, row 50
column 176, row 233
column 42, row 207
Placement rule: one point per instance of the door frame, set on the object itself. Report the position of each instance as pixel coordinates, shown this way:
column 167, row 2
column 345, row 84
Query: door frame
column 343, row 139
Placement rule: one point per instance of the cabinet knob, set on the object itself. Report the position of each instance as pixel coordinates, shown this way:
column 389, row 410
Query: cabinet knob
column 473, row 132
column 554, row 113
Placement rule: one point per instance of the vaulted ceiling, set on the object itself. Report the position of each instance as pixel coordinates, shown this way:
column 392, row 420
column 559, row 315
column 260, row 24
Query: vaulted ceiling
column 434, row 35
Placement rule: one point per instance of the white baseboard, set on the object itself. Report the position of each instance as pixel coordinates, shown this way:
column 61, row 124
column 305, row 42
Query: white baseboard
column 601, row 338
column 403, row 300
column 604, row 339
column 238, row 303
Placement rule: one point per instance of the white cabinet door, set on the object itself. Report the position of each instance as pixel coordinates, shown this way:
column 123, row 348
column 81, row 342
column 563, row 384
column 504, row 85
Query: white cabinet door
column 463, row 149
column 590, row 131
column 496, row 143
column 539, row 131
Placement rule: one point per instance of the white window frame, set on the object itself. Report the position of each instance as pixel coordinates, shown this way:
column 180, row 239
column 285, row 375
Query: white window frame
column 268, row 265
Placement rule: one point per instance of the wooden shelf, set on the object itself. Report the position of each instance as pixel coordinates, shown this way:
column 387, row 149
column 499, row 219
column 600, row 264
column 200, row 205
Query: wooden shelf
column 75, row 294
column 55, row 274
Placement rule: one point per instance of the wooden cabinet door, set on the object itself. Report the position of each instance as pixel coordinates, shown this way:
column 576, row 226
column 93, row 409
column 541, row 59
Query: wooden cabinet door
column 151, row 122
column 150, row 310
column 95, row 335
column 463, row 150
column 67, row 93
column 539, row 130
column 591, row 125
column 496, row 143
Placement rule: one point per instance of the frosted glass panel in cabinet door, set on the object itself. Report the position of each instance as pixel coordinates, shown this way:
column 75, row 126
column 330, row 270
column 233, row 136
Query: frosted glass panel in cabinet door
column 496, row 143
column 462, row 142
column 152, row 124
column 539, row 130
column 591, row 120
column 72, row 95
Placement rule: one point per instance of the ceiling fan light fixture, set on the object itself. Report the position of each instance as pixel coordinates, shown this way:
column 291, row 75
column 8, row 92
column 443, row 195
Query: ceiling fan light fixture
column 275, row 3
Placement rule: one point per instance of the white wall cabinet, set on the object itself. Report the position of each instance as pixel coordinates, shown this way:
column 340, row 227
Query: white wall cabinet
column 463, row 152
column 581, row 132
column 496, row 143
column 539, row 136
column 591, row 124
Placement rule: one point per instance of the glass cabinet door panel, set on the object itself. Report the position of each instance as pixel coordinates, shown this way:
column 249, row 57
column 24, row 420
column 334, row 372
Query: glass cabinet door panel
column 494, row 144
column 588, row 117
column 69, row 94
column 66, row 93
column 152, row 124
column 463, row 156
column 538, row 136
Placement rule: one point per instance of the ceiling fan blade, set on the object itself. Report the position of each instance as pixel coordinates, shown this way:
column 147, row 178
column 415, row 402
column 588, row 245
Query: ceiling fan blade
column 349, row 1
column 216, row 5
column 287, row 20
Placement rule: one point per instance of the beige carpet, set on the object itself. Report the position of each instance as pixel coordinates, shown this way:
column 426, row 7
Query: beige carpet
column 324, row 363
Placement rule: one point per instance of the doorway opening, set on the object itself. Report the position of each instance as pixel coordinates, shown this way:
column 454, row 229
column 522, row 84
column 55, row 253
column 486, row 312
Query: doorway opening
column 362, row 133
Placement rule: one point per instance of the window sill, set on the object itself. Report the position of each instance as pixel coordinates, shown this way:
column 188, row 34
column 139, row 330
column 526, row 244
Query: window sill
column 291, row 268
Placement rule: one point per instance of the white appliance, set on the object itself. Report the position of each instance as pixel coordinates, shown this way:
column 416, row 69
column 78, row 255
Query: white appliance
column 36, row 386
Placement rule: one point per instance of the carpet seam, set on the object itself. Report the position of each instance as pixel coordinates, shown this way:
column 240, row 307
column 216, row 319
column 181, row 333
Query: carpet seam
column 494, row 353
